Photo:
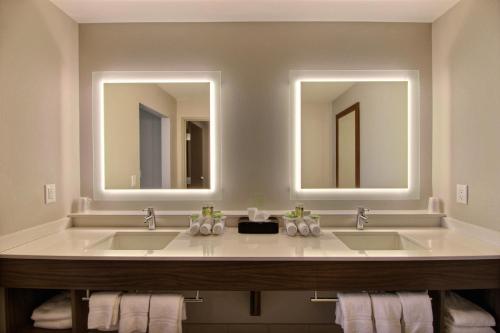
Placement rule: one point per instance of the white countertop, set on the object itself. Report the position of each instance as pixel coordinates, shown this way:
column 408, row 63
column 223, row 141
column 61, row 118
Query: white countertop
column 451, row 243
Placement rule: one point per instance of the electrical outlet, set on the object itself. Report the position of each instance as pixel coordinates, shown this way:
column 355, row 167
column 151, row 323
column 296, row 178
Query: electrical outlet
column 462, row 194
column 50, row 193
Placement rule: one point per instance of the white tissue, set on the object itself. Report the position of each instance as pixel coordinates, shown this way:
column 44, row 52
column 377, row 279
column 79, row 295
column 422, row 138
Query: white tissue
column 255, row 215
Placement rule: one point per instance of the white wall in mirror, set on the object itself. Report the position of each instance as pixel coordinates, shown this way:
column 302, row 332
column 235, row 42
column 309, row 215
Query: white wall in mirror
column 181, row 162
column 373, row 113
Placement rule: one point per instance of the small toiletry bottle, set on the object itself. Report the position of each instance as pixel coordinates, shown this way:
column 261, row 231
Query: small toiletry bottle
column 207, row 211
column 299, row 210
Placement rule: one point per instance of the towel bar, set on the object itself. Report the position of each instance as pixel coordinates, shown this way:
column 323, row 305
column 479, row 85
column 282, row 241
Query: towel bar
column 317, row 299
column 196, row 299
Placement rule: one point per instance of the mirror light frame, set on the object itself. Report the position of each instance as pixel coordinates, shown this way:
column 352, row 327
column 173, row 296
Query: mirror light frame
column 412, row 192
column 98, row 81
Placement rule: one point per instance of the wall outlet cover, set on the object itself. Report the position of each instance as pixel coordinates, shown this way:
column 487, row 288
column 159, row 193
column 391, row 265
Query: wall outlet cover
column 50, row 193
column 462, row 194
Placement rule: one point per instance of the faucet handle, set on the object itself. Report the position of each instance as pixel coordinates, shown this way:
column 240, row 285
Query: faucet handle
column 363, row 210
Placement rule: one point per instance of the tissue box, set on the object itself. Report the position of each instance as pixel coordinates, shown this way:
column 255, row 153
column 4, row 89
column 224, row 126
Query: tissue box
column 271, row 226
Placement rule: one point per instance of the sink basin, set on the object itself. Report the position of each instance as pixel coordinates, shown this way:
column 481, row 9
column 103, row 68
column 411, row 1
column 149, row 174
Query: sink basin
column 136, row 241
column 377, row 241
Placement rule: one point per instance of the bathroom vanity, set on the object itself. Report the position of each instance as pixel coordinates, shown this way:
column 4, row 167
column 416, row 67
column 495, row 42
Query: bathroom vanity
column 168, row 259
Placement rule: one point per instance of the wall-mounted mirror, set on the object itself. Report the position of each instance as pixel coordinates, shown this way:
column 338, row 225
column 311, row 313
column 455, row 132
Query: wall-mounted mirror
column 156, row 135
column 355, row 134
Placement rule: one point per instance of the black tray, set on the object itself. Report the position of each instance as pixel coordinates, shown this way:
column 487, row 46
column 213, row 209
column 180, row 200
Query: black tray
column 271, row 226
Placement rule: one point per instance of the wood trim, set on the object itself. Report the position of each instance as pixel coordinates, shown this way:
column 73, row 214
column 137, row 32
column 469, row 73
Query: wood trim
column 249, row 275
column 353, row 108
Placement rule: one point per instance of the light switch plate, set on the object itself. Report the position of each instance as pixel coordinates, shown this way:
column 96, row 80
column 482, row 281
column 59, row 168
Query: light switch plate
column 50, row 193
column 462, row 194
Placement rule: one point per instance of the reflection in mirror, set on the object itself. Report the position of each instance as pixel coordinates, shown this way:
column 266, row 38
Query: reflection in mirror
column 354, row 134
column 157, row 135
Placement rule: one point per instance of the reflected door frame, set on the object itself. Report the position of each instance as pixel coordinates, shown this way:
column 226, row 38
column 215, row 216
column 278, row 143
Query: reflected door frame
column 353, row 108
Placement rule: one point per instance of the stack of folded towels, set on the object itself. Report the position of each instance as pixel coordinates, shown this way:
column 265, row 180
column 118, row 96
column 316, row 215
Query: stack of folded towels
column 54, row 313
column 384, row 312
column 136, row 313
column 463, row 316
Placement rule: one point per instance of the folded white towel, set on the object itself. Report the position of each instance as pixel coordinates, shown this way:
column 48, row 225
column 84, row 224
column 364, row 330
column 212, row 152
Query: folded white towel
column 303, row 227
column 354, row 312
column 60, row 324
column 103, row 311
column 451, row 328
column 166, row 313
column 386, row 313
column 218, row 227
column 290, row 227
column 462, row 312
column 417, row 312
column 134, row 310
column 206, row 227
column 56, row 308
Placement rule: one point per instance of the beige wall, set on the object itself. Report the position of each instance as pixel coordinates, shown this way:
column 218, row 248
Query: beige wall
column 255, row 59
column 466, row 74
column 318, row 150
column 39, row 114
column 383, row 131
column 121, row 128
column 39, row 123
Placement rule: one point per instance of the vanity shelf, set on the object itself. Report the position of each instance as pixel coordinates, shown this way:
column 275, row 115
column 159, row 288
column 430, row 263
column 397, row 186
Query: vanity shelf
column 29, row 282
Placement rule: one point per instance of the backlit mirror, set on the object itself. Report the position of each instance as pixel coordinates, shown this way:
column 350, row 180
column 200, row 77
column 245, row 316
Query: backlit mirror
column 357, row 133
column 157, row 134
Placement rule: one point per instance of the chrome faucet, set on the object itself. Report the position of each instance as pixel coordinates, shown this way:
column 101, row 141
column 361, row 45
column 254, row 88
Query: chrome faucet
column 361, row 218
column 150, row 218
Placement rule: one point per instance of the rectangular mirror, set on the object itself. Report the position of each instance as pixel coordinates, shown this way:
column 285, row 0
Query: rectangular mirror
column 156, row 135
column 355, row 134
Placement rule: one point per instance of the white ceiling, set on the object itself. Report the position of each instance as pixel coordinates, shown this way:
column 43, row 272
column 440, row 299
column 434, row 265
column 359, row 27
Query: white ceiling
column 109, row 11
column 323, row 92
column 186, row 91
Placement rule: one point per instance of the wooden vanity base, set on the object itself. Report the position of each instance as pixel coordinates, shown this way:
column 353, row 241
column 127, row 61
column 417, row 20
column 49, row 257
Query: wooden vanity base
column 30, row 281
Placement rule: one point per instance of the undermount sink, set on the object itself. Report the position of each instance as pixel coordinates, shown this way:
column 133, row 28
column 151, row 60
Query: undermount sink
column 136, row 241
column 377, row 241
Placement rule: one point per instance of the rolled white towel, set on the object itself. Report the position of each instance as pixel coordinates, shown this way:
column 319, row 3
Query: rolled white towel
column 103, row 311
column 194, row 225
column 166, row 314
column 218, row 227
column 313, row 226
column 290, row 227
column 59, row 324
column 206, row 227
column 462, row 312
column 134, row 313
column 303, row 227
column 417, row 312
column 56, row 308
